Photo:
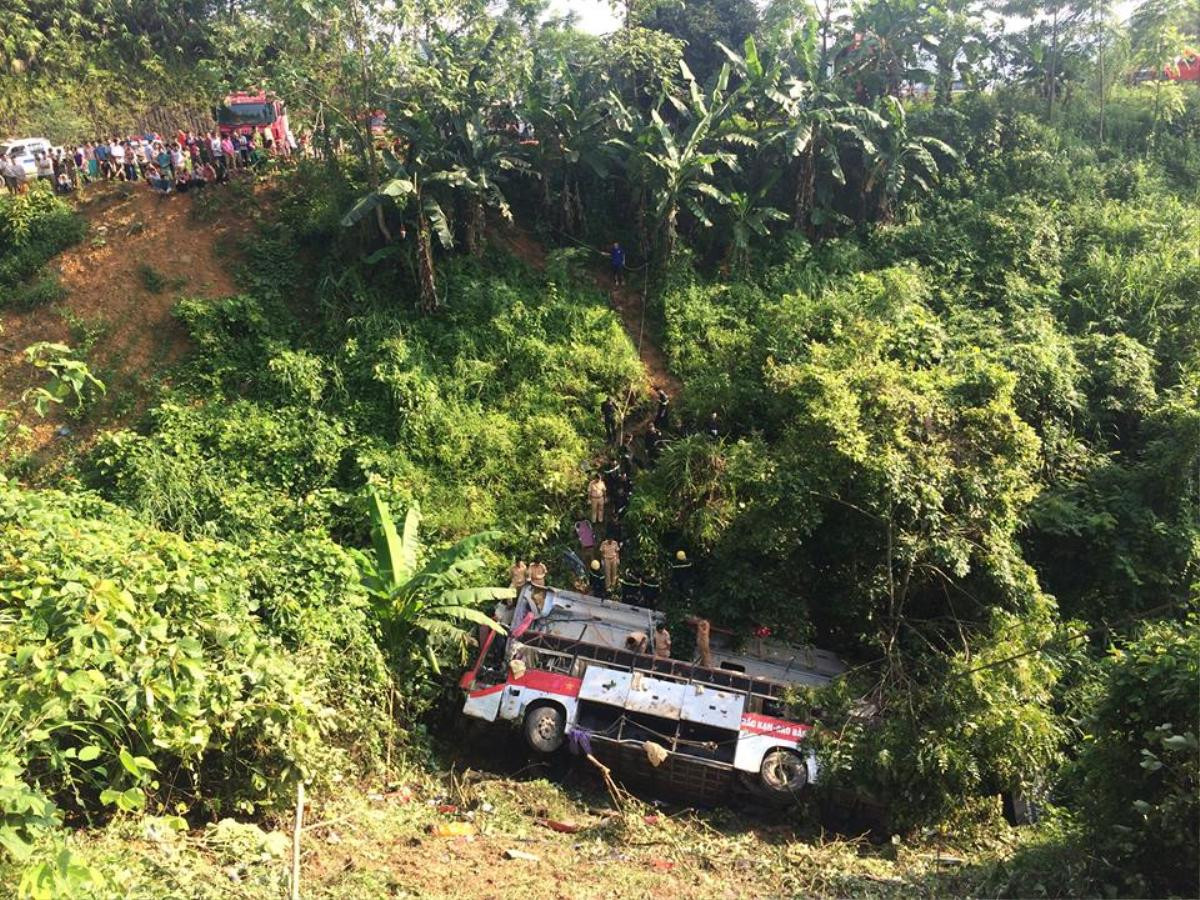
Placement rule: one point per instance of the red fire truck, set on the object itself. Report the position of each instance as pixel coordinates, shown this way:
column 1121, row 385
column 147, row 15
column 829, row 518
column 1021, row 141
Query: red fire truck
column 254, row 112
column 584, row 669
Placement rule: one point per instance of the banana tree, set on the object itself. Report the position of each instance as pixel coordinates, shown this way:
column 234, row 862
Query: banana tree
column 816, row 126
column 480, row 161
column 749, row 216
column 406, row 191
column 681, row 171
column 573, row 126
column 422, row 603
column 900, row 159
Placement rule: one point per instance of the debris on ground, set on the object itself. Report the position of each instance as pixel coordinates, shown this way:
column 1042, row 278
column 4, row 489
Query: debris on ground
column 452, row 829
column 521, row 854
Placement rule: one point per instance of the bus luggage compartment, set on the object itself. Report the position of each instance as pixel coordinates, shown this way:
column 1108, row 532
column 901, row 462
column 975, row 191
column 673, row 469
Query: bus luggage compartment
column 689, row 720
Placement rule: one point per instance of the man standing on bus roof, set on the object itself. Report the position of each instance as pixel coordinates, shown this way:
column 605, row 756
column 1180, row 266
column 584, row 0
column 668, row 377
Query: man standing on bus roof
column 610, row 554
column 662, row 641
column 518, row 574
column 537, row 573
column 596, row 491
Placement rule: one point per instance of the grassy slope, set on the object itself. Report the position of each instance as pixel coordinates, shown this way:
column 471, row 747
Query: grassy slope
column 376, row 841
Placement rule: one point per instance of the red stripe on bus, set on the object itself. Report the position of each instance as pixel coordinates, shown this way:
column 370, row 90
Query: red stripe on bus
column 549, row 682
column 534, row 679
column 754, row 723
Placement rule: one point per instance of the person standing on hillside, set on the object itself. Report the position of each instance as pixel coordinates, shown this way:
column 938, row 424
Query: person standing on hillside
column 141, row 158
column 70, row 170
column 537, row 573
column 162, row 160
column 610, row 555
column 178, row 163
column 653, row 438
column 7, row 171
column 217, row 151
column 230, row 152
column 617, row 257
column 608, row 409
column 664, row 405
column 116, row 159
column 45, row 168
column 100, row 152
column 625, row 455
column 596, row 491
column 131, row 167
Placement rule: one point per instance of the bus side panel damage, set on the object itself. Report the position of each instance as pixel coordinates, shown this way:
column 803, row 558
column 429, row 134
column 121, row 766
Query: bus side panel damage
column 585, row 669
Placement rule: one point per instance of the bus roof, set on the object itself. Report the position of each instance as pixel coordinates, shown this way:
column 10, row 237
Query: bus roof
column 585, row 619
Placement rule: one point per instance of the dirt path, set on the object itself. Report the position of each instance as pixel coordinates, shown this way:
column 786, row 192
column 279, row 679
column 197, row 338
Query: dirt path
column 629, row 304
column 142, row 253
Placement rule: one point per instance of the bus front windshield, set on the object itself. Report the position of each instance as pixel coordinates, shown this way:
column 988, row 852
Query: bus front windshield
column 246, row 114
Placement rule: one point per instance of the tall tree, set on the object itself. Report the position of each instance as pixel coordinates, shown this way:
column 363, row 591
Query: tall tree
column 1159, row 43
column 953, row 33
column 682, row 167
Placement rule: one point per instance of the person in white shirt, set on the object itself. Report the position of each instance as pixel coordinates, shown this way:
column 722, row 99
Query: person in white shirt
column 45, row 167
column 178, row 158
column 8, row 171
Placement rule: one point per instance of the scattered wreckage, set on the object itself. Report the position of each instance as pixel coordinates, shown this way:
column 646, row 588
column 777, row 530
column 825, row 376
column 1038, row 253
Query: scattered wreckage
column 583, row 670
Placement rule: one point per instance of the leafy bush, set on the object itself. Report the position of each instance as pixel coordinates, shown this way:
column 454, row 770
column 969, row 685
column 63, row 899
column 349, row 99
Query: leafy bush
column 1139, row 769
column 34, row 226
column 139, row 668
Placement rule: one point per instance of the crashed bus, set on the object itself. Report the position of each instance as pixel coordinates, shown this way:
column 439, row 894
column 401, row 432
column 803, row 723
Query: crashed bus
column 583, row 668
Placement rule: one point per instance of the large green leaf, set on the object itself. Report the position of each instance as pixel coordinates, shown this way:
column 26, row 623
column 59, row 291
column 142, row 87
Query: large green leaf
column 389, row 550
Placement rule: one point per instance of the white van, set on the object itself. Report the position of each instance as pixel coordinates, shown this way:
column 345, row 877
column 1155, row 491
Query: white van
column 23, row 150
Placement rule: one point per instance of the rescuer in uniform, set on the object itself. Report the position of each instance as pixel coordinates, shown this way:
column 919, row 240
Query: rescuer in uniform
column 596, row 578
column 664, row 405
column 653, row 438
column 681, row 575
column 610, row 555
column 596, row 492
column 518, row 574
column 609, row 410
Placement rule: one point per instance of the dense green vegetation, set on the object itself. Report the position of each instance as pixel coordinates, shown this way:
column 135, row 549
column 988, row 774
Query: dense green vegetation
column 33, row 228
column 952, row 344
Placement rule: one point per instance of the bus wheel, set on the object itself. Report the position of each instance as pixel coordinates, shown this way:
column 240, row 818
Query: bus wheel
column 545, row 728
column 783, row 772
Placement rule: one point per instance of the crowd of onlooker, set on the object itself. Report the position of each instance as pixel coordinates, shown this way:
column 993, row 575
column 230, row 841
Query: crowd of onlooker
column 186, row 162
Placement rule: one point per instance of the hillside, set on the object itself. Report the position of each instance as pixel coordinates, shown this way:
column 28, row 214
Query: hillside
column 344, row 492
column 117, row 289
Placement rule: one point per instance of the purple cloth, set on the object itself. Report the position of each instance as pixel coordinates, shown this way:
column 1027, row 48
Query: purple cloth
column 580, row 742
column 583, row 528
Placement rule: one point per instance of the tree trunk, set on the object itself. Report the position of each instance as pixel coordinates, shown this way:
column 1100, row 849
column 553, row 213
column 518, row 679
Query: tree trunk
column 1103, row 89
column 381, row 221
column 944, row 84
column 425, row 272
column 805, row 190
column 365, row 86
column 1051, row 71
column 476, row 223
